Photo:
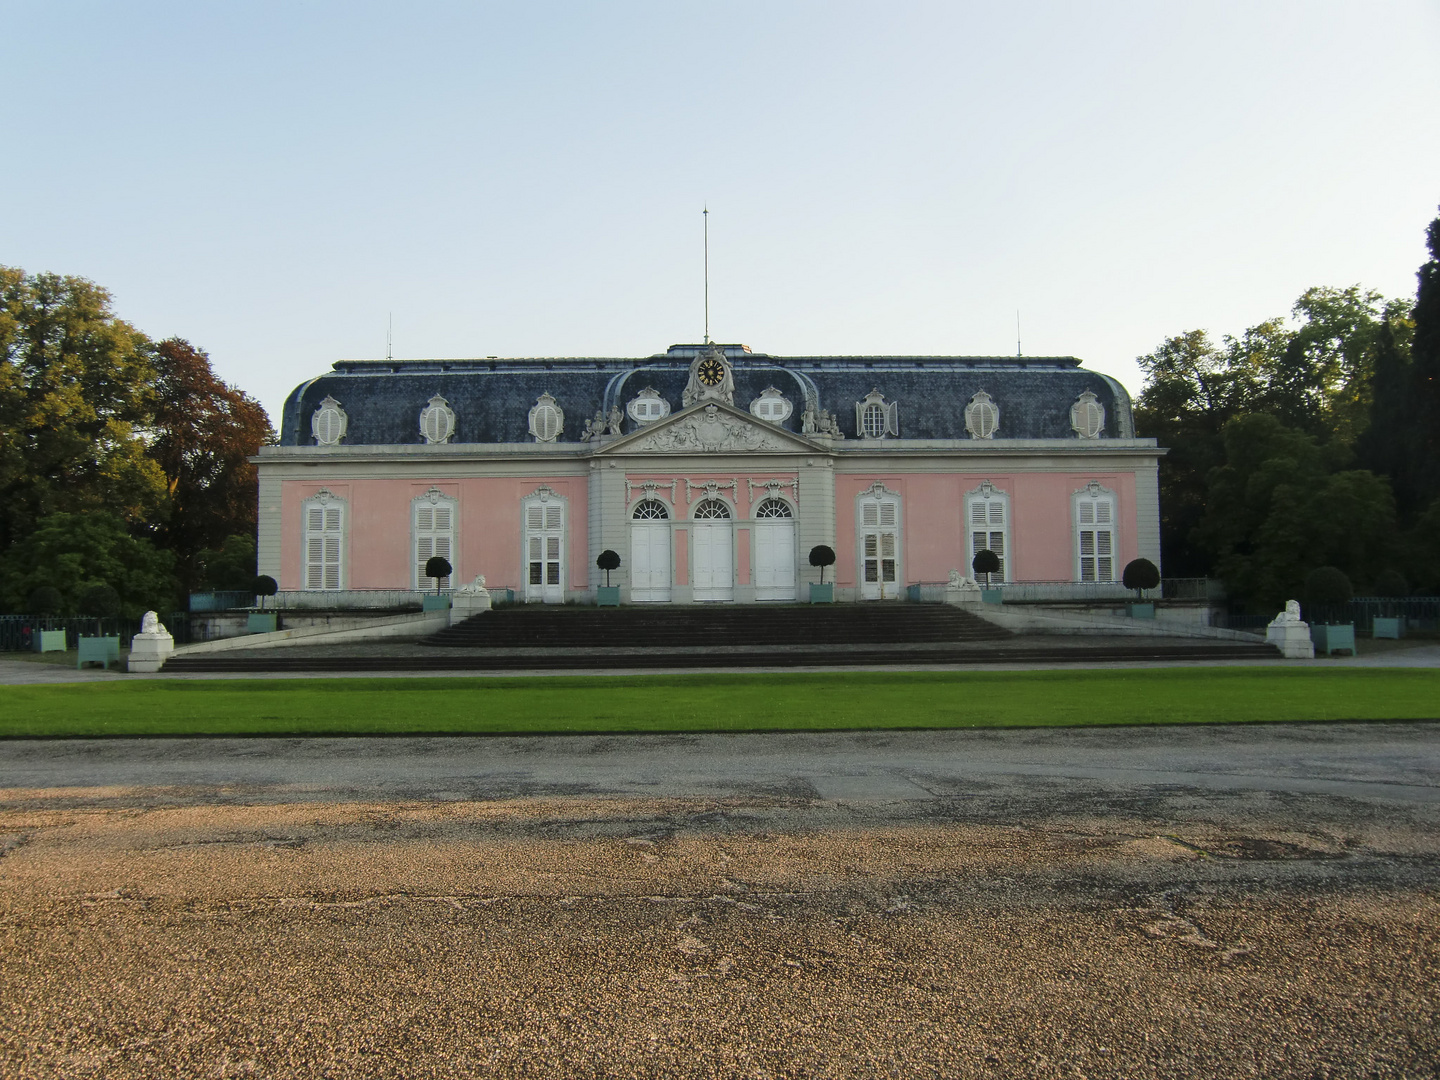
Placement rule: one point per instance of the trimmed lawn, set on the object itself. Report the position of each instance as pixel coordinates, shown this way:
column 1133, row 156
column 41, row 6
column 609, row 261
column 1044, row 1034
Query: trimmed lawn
column 712, row 702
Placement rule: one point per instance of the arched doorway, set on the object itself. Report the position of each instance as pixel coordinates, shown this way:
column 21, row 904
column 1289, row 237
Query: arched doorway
column 712, row 552
column 774, row 533
column 650, row 552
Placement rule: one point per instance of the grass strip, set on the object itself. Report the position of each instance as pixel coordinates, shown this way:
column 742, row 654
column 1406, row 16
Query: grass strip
column 717, row 702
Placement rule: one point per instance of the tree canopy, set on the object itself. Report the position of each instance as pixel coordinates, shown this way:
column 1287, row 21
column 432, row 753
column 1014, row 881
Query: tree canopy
column 96, row 420
column 1303, row 442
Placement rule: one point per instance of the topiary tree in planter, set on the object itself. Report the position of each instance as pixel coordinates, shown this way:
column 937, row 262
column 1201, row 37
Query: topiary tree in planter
column 1140, row 574
column 607, row 560
column 100, row 601
column 437, row 567
column 1326, row 588
column 1392, row 583
column 985, row 562
column 822, row 556
column 264, row 585
column 46, row 600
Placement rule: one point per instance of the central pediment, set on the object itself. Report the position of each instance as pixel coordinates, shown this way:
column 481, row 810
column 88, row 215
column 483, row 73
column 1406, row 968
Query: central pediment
column 712, row 429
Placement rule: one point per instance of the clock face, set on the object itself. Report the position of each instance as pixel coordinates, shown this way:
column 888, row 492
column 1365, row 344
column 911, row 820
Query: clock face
column 710, row 372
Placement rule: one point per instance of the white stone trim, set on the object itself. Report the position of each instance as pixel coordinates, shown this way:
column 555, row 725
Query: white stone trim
column 327, row 503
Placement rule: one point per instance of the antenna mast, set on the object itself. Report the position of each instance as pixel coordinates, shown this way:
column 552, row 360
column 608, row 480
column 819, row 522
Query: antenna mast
column 1017, row 333
column 390, row 339
column 706, row 212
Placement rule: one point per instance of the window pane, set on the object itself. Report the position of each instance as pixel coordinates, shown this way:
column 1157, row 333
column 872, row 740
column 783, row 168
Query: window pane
column 537, row 571
column 552, row 547
column 871, row 572
column 1087, row 543
column 889, row 565
column 871, row 548
column 1087, row 569
column 887, row 544
column 887, row 513
column 1105, row 570
column 552, row 573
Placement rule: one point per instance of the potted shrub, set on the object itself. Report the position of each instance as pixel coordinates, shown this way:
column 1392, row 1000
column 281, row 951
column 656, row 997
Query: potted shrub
column 1141, row 574
column 437, row 567
column 1328, row 593
column 1392, row 585
column 46, row 602
column 987, row 562
column 263, row 622
column 607, row 595
column 100, row 601
column 822, row 556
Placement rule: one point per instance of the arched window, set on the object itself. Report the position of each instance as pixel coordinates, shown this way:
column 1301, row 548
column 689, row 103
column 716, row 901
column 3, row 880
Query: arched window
column 328, row 424
column 324, row 519
column 543, row 518
column 712, row 510
column 988, row 519
column 771, row 405
column 982, row 416
column 878, row 522
column 648, row 406
column 875, row 417
column 437, row 421
column 433, row 524
column 1087, row 416
column 1095, row 541
column 547, row 421
column 773, row 508
column 650, row 510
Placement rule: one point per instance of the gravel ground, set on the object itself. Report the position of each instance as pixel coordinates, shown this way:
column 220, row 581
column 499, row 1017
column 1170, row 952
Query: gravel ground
column 1176, row 933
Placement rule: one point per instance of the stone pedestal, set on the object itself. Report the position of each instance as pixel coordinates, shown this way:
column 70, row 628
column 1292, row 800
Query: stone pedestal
column 962, row 590
column 150, row 648
column 1290, row 635
column 469, row 599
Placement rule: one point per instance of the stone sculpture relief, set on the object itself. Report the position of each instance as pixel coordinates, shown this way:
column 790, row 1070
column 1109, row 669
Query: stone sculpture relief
column 709, row 431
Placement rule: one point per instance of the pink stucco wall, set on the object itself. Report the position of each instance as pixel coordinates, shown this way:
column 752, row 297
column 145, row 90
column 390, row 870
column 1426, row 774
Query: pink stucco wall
column 933, row 526
column 488, row 537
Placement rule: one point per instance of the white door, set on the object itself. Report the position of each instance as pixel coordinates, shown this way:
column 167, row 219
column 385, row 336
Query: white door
column 545, row 553
column 774, row 533
column 879, row 544
column 712, row 560
column 650, row 552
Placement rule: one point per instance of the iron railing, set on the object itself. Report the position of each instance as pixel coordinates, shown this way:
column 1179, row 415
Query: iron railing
column 17, row 631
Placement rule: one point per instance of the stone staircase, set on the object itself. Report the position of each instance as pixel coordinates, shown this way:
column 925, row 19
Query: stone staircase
column 537, row 637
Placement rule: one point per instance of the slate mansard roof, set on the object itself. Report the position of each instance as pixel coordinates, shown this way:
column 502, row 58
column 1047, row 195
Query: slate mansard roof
column 492, row 398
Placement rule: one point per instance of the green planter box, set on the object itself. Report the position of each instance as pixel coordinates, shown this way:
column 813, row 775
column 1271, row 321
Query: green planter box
column 822, row 594
column 98, row 650
column 258, row 623
column 1389, row 627
column 1331, row 637
column 607, row 595
column 435, row 603
column 992, row 596
column 1142, row 611
column 48, row 641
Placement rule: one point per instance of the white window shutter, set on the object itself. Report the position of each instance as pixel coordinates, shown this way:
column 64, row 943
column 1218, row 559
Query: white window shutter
column 887, row 514
column 892, row 418
column 870, row 513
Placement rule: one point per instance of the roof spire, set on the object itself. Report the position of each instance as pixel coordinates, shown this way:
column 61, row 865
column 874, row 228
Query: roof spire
column 706, row 212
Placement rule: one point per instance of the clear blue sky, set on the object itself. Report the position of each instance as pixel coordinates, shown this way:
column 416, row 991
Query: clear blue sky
column 270, row 181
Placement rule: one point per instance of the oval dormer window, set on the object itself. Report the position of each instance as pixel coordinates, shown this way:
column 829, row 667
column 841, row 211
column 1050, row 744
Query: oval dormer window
column 329, row 422
column 982, row 416
column 771, row 405
column 547, row 421
column 437, row 420
column 1087, row 416
column 648, row 406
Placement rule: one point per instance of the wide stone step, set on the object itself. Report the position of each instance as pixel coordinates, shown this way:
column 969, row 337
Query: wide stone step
column 1020, row 651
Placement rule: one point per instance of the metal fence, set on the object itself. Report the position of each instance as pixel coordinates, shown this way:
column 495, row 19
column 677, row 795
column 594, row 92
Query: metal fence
column 1033, row 592
column 16, row 631
column 220, row 601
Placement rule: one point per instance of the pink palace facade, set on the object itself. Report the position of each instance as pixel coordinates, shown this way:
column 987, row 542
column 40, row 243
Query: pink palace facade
column 711, row 470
